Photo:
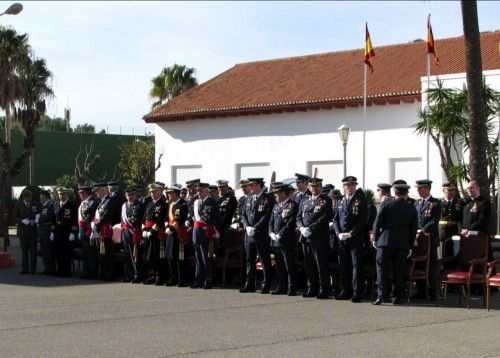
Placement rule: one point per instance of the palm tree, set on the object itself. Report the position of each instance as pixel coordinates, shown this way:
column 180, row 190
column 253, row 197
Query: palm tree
column 478, row 139
column 171, row 82
column 23, row 90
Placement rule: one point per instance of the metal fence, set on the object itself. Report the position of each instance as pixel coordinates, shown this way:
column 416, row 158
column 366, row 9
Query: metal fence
column 120, row 130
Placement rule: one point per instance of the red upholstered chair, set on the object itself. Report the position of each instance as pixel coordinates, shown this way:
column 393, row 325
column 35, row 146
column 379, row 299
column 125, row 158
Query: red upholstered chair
column 420, row 254
column 492, row 280
column 472, row 261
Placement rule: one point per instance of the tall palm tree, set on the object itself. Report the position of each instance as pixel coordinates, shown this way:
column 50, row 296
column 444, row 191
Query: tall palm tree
column 171, row 82
column 474, row 71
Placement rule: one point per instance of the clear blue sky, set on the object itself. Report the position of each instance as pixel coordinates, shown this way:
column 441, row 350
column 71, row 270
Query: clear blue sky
column 104, row 54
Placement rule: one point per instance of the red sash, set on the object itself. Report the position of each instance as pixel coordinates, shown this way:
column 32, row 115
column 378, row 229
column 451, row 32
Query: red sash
column 137, row 237
column 148, row 224
column 85, row 224
column 106, row 230
column 181, row 231
column 208, row 228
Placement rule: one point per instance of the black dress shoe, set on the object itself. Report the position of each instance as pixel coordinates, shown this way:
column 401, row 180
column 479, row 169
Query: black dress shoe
column 194, row 286
column 322, row 295
column 420, row 296
column 279, row 291
column 378, row 302
column 23, row 272
column 247, row 289
column 398, row 301
column 182, row 284
column 207, row 286
column 84, row 277
column 126, row 279
column 343, row 296
column 149, row 281
column 309, row 294
column 292, row 292
column 136, row 280
column 355, row 299
column 265, row 290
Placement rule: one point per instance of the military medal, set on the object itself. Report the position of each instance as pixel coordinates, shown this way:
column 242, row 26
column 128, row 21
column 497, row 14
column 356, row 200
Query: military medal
column 102, row 248
column 181, row 251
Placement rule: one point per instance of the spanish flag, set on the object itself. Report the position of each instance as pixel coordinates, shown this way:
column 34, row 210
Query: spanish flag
column 431, row 49
column 369, row 51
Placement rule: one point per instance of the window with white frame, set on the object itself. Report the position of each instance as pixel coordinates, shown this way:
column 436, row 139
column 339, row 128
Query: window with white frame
column 331, row 171
column 183, row 173
column 253, row 170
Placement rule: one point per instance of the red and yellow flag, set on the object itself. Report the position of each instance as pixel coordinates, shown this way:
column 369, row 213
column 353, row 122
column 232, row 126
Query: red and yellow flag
column 369, row 51
column 431, row 48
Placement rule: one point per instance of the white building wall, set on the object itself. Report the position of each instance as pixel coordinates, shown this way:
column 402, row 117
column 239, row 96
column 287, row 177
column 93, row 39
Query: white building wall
column 288, row 142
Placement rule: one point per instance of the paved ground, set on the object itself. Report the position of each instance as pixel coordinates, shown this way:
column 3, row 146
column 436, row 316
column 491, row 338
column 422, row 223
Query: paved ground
column 53, row 317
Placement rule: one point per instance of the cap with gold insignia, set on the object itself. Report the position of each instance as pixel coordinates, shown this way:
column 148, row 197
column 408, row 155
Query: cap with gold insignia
column 402, row 188
column 26, row 193
column 131, row 190
column 192, row 182
column 84, row 189
column 350, row 180
column 399, row 181
column 99, row 185
column 383, row 186
column 449, row 186
column 212, row 187
column 327, row 188
column 62, row 189
column 279, row 186
column 113, row 183
column 201, row 185
column 276, row 184
column 335, row 193
column 45, row 193
column 315, row 181
column 423, row 183
column 155, row 186
column 302, row 177
column 174, row 188
column 222, row 182
column 256, row 181
column 243, row 182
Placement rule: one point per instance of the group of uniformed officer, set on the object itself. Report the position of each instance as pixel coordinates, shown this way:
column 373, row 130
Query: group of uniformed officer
column 159, row 232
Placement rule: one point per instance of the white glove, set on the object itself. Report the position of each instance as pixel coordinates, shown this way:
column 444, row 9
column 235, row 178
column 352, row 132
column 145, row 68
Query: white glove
column 169, row 231
column 278, row 237
column 37, row 218
column 330, row 225
column 307, row 232
column 344, row 236
column 94, row 235
column 234, row 226
column 26, row 221
column 409, row 254
column 187, row 223
column 51, row 237
column 272, row 236
column 217, row 234
column 302, row 230
column 93, row 226
column 145, row 234
column 71, row 237
column 250, row 231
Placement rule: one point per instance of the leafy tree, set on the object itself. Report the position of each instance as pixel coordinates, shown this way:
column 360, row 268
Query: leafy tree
column 171, row 82
column 137, row 162
column 54, row 124
column 85, row 128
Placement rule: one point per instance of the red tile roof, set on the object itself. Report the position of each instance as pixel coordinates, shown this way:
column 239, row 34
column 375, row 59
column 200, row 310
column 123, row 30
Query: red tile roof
column 327, row 80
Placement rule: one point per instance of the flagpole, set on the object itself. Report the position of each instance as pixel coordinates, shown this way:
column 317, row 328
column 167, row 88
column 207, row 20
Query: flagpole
column 364, row 123
column 428, row 127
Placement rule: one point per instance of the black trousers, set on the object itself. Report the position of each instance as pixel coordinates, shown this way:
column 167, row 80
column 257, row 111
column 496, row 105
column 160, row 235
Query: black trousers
column 131, row 267
column 351, row 267
column 285, row 267
column 390, row 259
column 260, row 247
column 48, row 250
column 106, row 260
column 90, row 255
column 63, row 251
column 204, row 264
column 316, row 264
column 28, row 249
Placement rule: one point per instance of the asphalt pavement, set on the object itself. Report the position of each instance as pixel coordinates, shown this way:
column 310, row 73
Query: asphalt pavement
column 66, row 317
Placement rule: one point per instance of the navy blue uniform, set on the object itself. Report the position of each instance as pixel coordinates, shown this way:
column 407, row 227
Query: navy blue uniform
column 45, row 226
column 203, row 233
column 315, row 213
column 476, row 215
column 429, row 213
column 283, row 223
column 86, row 213
column 65, row 224
column 257, row 214
column 177, row 242
column 352, row 218
column 155, row 267
column 394, row 229
column 131, row 220
column 106, row 213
